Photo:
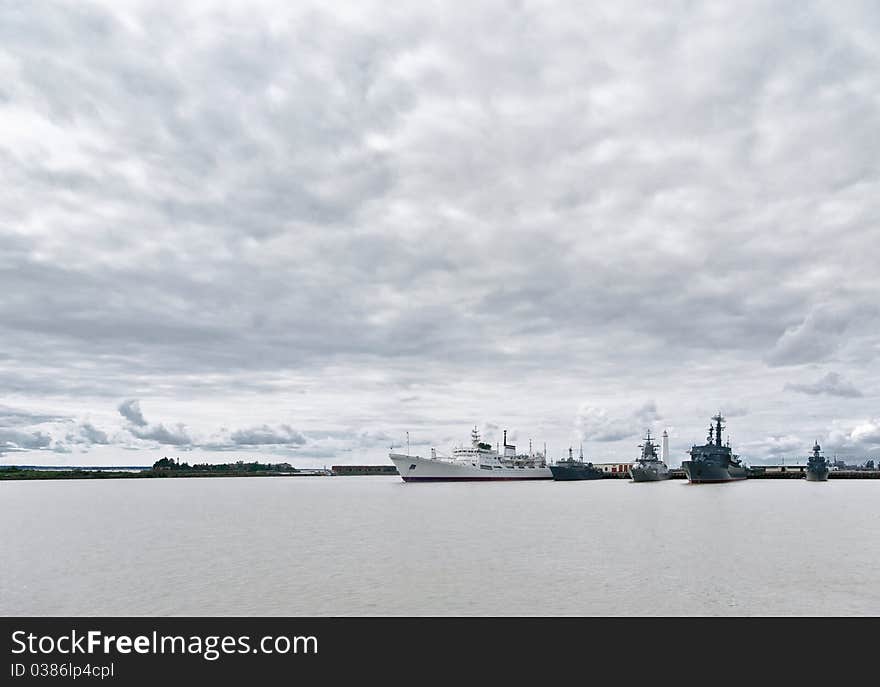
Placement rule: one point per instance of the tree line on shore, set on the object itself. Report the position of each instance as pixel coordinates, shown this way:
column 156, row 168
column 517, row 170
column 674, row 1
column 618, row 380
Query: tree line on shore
column 238, row 466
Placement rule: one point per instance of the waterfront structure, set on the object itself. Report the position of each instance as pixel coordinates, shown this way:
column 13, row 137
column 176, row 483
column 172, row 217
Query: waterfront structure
column 817, row 466
column 364, row 470
column 796, row 470
column 712, row 462
column 574, row 469
column 478, row 462
column 649, row 468
column 614, row 469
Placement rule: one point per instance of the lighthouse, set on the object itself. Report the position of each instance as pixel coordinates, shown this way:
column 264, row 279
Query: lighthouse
column 664, row 449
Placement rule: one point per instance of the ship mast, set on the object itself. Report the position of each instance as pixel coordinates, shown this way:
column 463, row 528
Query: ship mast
column 718, row 427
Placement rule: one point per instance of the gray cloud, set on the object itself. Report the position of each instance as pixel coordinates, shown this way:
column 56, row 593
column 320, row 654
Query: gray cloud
column 648, row 413
column 326, row 209
column 93, row 435
column 131, row 411
column 176, row 436
column 266, row 435
column 598, row 424
column 15, row 439
column 857, row 440
column 815, row 339
column 16, row 417
column 775, row 448
column 140, row 428
column 734, row 410
column 831, row 384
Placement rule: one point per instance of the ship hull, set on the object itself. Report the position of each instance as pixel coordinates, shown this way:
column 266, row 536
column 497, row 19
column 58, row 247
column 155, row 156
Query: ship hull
column 648, row 474
column 817, row 475
column 701, row 472
column 418, row 469
column 563, row 473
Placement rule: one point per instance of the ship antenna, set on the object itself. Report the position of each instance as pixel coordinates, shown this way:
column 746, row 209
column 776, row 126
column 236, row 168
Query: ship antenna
column 582, row 450
column 719, row 418
column 407, row 443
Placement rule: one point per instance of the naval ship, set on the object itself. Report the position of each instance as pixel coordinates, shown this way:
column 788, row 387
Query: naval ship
column 649, row 467
column 713, row 462
column 571, row 469
column 817, row 466
column 478, row 462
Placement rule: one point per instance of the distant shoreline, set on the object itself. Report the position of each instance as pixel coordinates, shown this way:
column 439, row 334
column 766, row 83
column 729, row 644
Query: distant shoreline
column 20, row 474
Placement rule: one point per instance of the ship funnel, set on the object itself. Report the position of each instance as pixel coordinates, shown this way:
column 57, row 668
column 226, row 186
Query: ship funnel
column 509, row 451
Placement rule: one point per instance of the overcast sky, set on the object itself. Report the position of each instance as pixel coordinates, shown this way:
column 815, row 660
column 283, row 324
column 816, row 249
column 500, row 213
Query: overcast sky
column 277, row 230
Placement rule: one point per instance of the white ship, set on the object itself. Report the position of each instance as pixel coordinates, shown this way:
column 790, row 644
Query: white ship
column 477, row 462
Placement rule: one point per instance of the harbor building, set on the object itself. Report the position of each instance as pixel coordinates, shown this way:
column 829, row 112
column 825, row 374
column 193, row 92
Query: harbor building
column 364, row 470
column 622, row 469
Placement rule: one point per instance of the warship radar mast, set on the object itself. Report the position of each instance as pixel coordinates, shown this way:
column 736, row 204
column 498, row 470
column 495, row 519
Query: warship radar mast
column 719, row 418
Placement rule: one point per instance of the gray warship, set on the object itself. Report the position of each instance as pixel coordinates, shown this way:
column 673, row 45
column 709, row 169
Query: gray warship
column 571, row 469
column 713, row 462
column 649, row 468
column 817, row 467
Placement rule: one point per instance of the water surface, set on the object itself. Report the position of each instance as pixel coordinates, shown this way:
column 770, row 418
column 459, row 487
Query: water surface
column 377, row 546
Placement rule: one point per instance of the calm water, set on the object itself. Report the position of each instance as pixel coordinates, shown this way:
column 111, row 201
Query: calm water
column 376, row 546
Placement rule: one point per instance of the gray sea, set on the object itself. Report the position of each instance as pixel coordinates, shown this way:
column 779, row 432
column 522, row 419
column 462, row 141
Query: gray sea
column 377, row 546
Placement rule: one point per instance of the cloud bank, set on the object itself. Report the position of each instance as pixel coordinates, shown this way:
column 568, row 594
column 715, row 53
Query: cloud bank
column 358, row 222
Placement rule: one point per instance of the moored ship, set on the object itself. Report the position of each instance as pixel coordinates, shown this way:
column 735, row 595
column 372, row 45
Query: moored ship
column 713, row 462
column 572, row 469
column 478, row 462
column 817, row 467
column 649, row 467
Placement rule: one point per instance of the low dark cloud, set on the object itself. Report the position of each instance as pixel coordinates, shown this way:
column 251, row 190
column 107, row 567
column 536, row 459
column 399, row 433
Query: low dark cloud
column 15, row 439
column 265, row 435
column 831, row 384
column 131, row 411
column 141, row 429
column 93, row 435
column 176, row 436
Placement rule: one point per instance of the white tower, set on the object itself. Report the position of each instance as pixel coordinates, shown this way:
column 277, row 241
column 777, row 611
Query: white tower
column 664, row 449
